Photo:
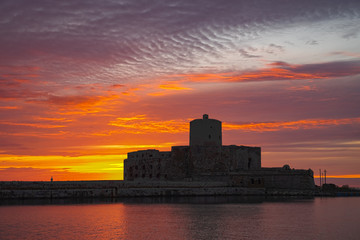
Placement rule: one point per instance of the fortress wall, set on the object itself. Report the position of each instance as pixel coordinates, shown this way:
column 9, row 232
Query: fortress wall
column 289, row 181
column 239, row 158
column 280, row 178
column 207, row 159
column 179, row 166
column 188, row 162
column 146, row 164
column 201, row 191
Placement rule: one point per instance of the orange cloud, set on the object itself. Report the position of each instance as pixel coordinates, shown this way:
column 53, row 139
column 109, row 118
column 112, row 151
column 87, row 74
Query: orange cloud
column 167, row 88
column 146, row 146
column 54, row 119
column 74, row 105
column 279, row 71
column 77, row 101
column 141, row 124
column 117, row 86
column 260, row 75
column 156, row 94
column 173, row 86
column 9, row 107
column 302, row 88
column 34, row 125
column 293, row 125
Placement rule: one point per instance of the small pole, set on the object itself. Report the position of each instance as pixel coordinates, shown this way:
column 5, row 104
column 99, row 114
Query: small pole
column 320, row 176
column 325, row 175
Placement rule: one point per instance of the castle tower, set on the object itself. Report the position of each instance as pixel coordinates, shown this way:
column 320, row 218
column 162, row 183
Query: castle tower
column 205, row 132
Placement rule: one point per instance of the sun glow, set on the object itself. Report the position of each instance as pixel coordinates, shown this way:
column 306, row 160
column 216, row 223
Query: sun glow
column 41, row 168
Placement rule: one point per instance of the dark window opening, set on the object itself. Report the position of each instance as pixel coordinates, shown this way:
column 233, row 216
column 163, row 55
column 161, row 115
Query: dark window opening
column 150, row 155
column 136, row 167
column 249, row 163
column 209, row 136
column 158, row 175
column 259, row 181
column 136, row 175
column 252, row 181
column 143, row 167
column 150, row 176
column 143, row 175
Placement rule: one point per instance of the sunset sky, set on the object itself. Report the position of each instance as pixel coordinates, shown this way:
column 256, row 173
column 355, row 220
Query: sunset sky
column 84, row 82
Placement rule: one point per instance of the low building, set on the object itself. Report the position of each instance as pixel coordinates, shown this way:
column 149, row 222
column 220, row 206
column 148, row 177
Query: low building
column 207, row 160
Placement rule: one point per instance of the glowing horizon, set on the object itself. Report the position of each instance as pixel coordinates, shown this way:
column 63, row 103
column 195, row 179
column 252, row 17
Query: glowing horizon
column 83, row 84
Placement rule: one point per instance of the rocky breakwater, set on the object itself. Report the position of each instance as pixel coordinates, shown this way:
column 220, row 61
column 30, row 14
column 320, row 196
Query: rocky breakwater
column 117, row 189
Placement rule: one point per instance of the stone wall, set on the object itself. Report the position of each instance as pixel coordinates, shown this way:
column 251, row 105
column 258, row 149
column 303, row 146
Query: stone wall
column 286, row 178
column 239, row 158
column 185, row 162
column 146, row 164
column 116, row 189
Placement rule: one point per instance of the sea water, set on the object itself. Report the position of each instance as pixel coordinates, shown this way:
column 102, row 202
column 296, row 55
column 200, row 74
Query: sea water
column 183, row 218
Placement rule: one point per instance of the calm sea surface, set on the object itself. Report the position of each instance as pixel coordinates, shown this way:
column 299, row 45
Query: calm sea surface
column 184, row 218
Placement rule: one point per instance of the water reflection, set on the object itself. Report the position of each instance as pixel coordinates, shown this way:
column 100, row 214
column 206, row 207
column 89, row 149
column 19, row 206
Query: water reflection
column 155, row 200
column 182, row 218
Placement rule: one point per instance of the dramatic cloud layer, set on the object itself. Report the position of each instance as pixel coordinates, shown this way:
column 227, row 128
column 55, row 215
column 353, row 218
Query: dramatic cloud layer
column 83, row 83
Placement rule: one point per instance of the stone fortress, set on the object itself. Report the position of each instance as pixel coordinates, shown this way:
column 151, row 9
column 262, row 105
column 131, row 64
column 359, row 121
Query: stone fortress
column 207, row 160
column 204, row 168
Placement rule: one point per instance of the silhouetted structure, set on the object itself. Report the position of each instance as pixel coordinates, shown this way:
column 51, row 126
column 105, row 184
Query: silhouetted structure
column 207, row 160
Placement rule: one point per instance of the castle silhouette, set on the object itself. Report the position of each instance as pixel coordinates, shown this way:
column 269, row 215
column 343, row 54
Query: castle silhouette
column 207, row 160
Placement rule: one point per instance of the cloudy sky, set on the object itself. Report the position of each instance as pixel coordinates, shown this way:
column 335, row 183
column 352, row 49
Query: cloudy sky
column 84, row 82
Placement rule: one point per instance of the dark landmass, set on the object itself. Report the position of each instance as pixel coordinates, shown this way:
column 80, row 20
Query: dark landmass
column 17, row 190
